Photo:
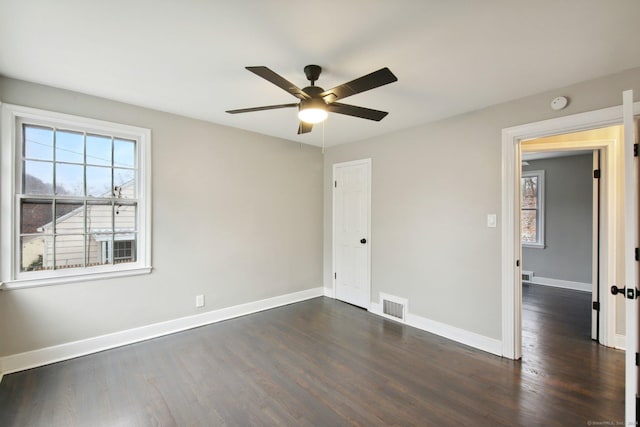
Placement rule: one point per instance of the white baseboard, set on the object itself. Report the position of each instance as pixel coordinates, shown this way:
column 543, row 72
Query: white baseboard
column 481, row 342
column 328, row 292
column 620, row 342
column 565, row 284
column 47, row 355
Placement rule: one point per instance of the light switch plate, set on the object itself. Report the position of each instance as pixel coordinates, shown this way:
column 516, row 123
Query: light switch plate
column 492, row 220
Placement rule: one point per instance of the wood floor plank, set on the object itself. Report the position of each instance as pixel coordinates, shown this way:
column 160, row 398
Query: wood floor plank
column 323, row 362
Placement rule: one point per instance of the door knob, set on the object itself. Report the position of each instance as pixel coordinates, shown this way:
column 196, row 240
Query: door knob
column 616, row 290
column 363, row 241
column 631, row 293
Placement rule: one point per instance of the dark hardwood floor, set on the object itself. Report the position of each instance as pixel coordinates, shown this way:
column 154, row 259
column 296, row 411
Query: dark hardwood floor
column 325, row 363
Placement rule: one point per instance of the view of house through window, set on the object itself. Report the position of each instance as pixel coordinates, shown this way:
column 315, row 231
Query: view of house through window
column 531, row 213
column 77, row 199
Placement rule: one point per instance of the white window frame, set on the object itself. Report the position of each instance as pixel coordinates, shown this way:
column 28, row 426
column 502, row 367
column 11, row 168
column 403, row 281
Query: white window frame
column 11, row 275
column 540, row 221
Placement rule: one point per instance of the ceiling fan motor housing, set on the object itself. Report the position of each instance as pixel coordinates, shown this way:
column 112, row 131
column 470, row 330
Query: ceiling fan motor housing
column 312, row 72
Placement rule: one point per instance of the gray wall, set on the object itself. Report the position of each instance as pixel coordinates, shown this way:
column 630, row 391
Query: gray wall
column 432, row 188
column 253, row 226
column 567, row 254
column 237, row 217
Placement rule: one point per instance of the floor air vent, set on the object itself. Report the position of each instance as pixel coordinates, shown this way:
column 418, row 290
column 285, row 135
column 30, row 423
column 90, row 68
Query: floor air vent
column 527, row 276
column 393, row 307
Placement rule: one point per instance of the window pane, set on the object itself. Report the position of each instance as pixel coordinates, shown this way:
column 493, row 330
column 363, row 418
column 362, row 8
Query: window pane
column 98, row 150
column 529, row 227
column 69, row 251
column 529, row 192
column 99, row 182
column 124, row 153
column 69, row 218
column 69, row 147
column 69, row 179
column 38, row 142
column 124, row 178
column 96, row 246
column 32, row 253
column 99, row 217
column 123, row 250
column 125, row 218
column 38, row 177
column 35, row 217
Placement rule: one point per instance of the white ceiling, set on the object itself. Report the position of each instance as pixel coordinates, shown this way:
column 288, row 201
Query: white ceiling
column 188, row 57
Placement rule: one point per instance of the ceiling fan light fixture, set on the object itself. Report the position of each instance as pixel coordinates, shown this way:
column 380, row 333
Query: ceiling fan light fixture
column 313, row 111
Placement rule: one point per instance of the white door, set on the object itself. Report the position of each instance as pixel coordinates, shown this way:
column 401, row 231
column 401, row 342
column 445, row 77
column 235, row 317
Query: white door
column 595, row 250
column 631, row 264
column 352, row 219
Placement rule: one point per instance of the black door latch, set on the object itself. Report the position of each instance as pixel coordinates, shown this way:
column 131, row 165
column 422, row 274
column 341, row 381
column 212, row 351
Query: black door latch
column 630, row 293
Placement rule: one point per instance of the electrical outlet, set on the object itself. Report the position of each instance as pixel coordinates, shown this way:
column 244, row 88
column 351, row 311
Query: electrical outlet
column 199, row 301
column 492, row 220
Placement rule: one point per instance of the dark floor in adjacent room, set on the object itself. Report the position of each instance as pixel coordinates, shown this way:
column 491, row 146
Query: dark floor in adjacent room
column 325, row 363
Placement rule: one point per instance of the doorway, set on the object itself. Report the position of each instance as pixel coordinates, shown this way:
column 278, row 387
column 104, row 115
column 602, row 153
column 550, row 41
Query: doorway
column 609, row 149
column 560, row 222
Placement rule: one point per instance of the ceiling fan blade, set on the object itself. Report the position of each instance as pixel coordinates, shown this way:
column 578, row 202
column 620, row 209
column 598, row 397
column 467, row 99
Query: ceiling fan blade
column 279, row 81
column 304, row 127
column 353, row 110
column 267, row 107
column 371, row 81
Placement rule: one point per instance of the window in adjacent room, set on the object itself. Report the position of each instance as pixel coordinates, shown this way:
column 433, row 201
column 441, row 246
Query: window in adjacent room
column 532, row 208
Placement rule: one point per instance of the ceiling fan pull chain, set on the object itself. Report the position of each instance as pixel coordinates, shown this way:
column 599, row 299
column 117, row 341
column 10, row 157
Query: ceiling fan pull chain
column 323, row 137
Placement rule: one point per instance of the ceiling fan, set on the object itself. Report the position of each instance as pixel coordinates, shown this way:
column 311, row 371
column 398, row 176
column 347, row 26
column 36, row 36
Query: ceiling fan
column 315, row 102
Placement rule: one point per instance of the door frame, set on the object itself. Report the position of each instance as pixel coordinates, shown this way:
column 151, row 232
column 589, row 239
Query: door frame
column 366, row 161
column 511, row 245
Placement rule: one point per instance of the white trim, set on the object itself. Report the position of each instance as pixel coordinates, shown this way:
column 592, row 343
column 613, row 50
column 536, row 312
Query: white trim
column 565, row 284
column 462, row 336
column 511, row 248
column 366, row 161
column 47, row 355
column 75, row 278
column 11, row 116
column 328, row 292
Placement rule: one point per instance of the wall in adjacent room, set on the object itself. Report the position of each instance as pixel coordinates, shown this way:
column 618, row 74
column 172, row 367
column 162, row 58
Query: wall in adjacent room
column 568, row 190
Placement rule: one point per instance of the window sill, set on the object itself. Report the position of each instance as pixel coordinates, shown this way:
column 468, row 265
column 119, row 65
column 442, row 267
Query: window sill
column 85, row 277
column 533, row 245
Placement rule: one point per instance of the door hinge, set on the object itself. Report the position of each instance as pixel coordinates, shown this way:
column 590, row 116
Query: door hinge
column 596, row 305
column 335, row 184
column 637, row 359
column 335, row 275
column 596, row 174
column 635, row 150
column 637, row 254
column 517, row 263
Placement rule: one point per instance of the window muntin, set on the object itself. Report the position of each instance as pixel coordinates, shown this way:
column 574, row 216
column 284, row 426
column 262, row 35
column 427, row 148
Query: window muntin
column 532, row 208
column 79, row 185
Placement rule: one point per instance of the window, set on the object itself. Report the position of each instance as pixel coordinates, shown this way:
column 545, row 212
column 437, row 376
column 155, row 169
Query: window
column 75, row 198
column 532, row 208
